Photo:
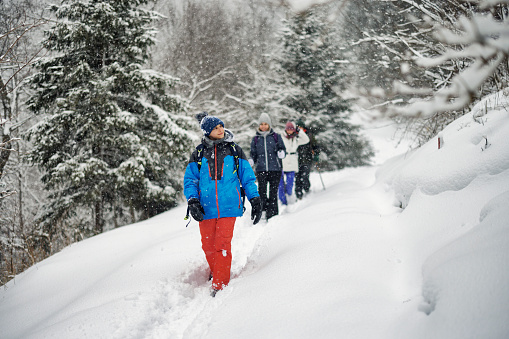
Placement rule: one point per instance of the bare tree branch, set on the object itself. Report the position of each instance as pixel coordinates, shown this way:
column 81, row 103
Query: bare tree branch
column 20, row 64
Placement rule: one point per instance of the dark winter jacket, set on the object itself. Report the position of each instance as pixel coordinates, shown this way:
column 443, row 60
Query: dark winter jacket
column 264, row 148
column 308, row 151
column 216, row 184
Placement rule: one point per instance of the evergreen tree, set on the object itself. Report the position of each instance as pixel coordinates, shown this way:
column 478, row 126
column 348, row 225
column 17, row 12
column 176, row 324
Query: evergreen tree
column 309, row 63
column 108, row 143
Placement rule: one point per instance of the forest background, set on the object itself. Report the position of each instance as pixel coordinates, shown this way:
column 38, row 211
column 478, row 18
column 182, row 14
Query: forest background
column 99, row 97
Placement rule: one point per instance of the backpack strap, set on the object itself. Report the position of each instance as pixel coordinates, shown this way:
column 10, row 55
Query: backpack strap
column 199, row 154
column 235, row 154
column 236, row 159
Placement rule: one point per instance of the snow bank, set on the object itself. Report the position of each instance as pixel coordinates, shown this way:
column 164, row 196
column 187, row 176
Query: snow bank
column 474, row 144
column 465, row 283
column 456, row 226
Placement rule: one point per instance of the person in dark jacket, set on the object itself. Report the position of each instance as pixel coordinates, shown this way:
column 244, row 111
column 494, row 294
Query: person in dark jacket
column 307, row 154
column 267, row 152
column 212, row 186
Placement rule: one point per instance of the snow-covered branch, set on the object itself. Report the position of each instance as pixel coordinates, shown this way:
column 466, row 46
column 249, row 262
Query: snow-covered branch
column 5, row 194
column 486, row 4
column 10, row 57
column 484, row 40
column 197, row 86
column 4, row 144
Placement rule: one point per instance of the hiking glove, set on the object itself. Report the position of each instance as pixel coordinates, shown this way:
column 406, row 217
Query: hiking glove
column 251, row 162
column 281, row 154
column 196, row 209
column 256, row 209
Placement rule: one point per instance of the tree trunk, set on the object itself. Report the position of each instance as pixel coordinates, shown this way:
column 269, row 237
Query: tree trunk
column 20, row 175
column 115, row 212
column 131, row 209
column 5, row 150
column 99, row 221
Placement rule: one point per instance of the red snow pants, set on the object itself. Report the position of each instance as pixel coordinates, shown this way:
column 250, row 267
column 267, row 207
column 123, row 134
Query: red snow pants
column 216, row 237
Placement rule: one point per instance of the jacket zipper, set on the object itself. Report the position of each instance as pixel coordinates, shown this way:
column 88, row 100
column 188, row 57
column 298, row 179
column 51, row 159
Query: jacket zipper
column 240, row 198
column 266, row 157
column 215, row 168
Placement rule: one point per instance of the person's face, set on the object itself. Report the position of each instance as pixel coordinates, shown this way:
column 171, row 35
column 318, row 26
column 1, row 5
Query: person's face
column 217, row 132
column 264, row 127
column 290, row 131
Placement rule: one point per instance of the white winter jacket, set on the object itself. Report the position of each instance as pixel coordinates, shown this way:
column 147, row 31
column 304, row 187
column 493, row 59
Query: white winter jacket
column 291, row 161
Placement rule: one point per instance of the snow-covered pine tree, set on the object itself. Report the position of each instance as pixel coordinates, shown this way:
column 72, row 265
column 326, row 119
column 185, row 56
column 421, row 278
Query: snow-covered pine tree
column 108, row 144
column 309, row 62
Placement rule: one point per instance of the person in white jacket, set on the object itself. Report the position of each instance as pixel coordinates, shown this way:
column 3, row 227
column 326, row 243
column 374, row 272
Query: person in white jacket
column 293, row 139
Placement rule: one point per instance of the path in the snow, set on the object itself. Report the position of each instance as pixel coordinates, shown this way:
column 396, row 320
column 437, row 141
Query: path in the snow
column 351, row 229
column 182, row 304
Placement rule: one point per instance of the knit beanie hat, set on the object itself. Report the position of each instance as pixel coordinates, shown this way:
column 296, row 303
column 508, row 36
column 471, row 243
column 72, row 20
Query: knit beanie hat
column 208, row 123
column 264, row 118
column 290, row 126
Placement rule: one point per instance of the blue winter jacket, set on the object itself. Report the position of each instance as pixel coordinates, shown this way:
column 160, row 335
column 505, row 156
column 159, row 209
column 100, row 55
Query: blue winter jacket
column 216, row 184
column 264, row 148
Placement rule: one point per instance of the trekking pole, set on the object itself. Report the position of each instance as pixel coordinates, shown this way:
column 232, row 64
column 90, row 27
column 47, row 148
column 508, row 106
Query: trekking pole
column 320, row 174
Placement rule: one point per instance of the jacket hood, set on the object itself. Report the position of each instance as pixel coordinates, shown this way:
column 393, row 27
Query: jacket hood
column 228, row 137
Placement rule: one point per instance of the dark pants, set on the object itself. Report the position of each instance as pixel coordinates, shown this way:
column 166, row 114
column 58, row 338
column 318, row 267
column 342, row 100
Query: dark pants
column 302, row 183
column 269, row 204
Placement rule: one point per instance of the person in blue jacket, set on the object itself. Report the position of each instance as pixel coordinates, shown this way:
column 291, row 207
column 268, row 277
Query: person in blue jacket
column 267, row 152
column 212, row 186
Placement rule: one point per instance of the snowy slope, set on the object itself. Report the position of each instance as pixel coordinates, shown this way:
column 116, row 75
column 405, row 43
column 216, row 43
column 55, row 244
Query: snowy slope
column 414, row 248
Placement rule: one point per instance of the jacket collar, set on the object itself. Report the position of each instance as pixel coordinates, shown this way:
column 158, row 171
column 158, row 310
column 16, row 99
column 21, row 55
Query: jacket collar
column 228, row 137
column 264, row 134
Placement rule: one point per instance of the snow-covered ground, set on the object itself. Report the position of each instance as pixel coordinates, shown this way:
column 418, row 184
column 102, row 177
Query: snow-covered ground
column 414, row 247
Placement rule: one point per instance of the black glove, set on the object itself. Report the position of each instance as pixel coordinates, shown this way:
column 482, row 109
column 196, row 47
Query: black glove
column 256, row 209
column 196, row 209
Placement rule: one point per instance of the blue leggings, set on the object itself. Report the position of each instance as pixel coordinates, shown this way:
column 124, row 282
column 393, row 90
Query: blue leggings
column 286, row 189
